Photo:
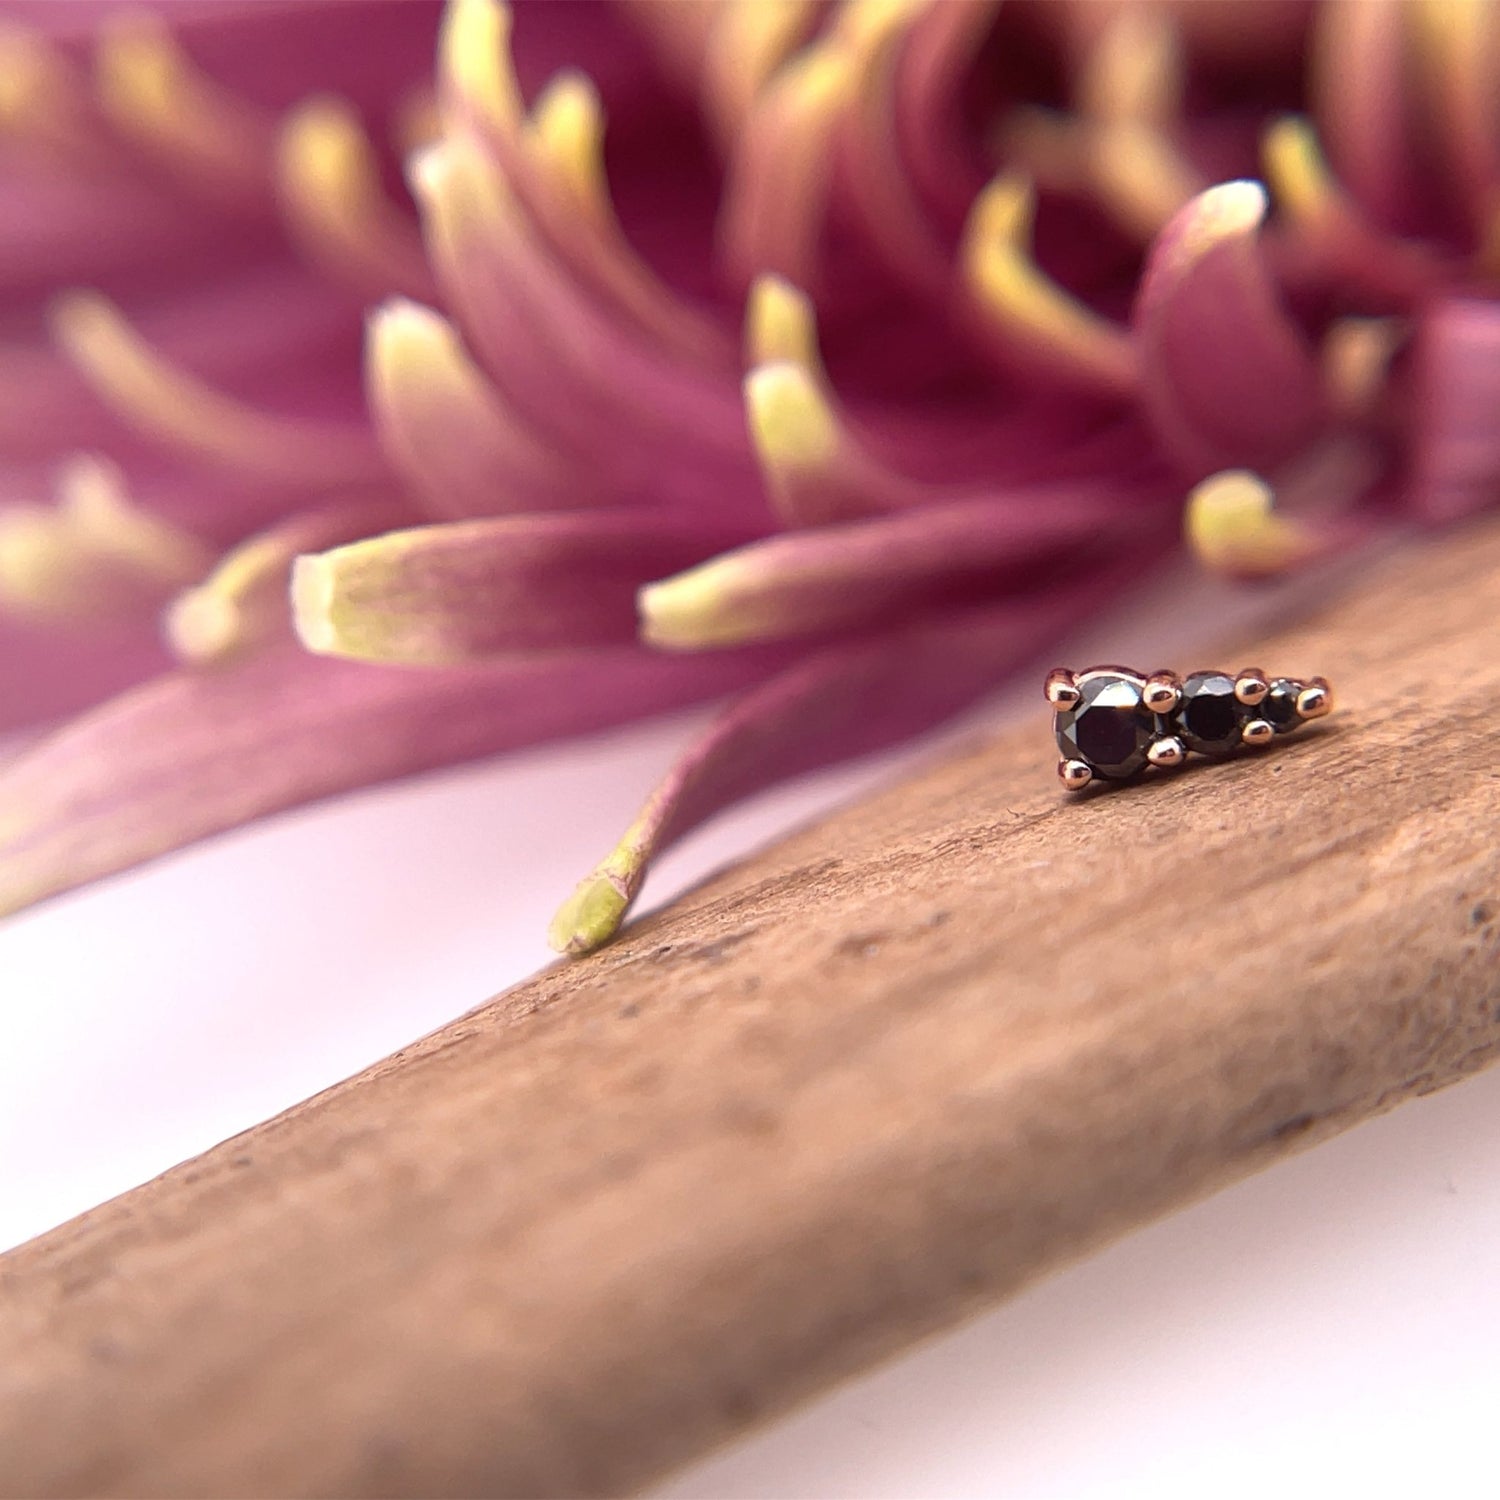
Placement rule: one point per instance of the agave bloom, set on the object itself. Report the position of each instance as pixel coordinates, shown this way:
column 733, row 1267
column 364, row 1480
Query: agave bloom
column 877, row 344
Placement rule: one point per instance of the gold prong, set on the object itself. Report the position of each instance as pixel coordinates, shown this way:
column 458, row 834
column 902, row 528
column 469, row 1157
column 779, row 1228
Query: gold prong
column 1258, row 732
column 1315, row 700
column 1162, row 693
column 1062, row 688
column 1251, row 686
column 1075, row 774
column 1167, row 752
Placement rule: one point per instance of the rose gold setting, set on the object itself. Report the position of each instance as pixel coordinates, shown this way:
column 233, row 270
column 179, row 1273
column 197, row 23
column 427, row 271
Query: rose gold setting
column 1163, row 692
column 1115, row 724
column 1167, row 753
column 1075, row 774
column 1061, row 688
column 1315, row 700
column 1251, row 686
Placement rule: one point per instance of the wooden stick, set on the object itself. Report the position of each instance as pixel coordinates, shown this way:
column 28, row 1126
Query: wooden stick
column 840, row 1097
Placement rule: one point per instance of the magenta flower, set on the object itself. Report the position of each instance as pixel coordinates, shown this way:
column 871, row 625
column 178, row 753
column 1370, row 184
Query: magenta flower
column 877, row 345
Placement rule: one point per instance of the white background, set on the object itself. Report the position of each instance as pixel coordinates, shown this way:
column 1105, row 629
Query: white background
column 1330, row 1327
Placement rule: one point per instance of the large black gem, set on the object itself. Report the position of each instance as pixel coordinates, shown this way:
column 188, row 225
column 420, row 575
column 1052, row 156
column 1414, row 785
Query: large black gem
column 1280, row 705
column 1109, row 728
column 1210, row 717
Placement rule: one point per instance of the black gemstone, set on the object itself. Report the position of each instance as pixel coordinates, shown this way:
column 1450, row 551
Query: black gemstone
column 1210, row 717
column 1110, row 729
column 1280, row 705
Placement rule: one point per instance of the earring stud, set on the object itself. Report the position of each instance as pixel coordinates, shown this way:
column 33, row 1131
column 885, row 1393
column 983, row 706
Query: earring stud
column 1113, row 722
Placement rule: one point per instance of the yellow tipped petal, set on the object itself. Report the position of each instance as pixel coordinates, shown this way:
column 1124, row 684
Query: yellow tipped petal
column 97, row 508
column 475, row 66
column 1357, row 355
column 780, row 325
column 181, row 410
column 330, row 187
column 1134, row 72
column 1232, row 527
column 314, row 584
column 698, row 611
column 567, row 134
column 243, row 602
column 591, row 916
column 1295, row 169
column 39, row 93
column 749, row 41
column 1143, row 177
column 203, row 626
column 775, row 199
column 94, row 554
column 152, row 92
column 1029, row 311
column 791, row 423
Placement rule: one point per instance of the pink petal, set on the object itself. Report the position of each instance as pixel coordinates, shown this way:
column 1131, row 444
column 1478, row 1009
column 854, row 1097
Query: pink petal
column 587, row 386
column 1227, row 379
column 46, row 673
column 473, row 589
column 448, row 431
column 197, row 753
column 871, row 573
column 844, row 701
column 1455, row 399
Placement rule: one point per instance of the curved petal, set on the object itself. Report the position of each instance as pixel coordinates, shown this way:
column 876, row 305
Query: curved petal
column 869, row 573
column 1226, row 377
column 450, row 433
column 476, row 589
column 1455, row 397
column 197, row 753
column 245, row 601
column 844, row 701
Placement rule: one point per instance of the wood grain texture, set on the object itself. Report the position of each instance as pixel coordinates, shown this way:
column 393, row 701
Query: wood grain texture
column 834, row 1100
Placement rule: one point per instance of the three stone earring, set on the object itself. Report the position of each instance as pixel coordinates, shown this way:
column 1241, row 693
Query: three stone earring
column 1113, row 722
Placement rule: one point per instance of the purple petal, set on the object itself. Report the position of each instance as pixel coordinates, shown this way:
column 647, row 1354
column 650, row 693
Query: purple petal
column 474, row 589
column 450, row 433
column 843, row 701
column 197, row 753
column 1227, row 379
column 871, row 572
column 1455, row 399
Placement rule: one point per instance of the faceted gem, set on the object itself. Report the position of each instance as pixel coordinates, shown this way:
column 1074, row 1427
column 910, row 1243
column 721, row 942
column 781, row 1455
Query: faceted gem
column 1280, row 705
column 1210, row 718
column 1110, row 729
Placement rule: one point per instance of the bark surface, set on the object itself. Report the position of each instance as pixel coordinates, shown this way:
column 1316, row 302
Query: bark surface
column 834, row 1100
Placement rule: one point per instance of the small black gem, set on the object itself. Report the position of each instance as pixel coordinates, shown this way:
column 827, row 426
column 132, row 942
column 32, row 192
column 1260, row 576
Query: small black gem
column 1210, row 718
column 1109, row 729
column 1280, row 705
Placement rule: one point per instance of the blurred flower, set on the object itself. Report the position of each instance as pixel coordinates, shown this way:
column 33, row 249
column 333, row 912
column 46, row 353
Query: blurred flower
column 877, row 345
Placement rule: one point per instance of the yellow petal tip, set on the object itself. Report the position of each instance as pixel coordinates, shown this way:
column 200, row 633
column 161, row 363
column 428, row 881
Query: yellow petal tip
column 313, row 586
column 1232, row 527
column 591, row 916
column 202, row 627
column 791, row 423
column 780, row 324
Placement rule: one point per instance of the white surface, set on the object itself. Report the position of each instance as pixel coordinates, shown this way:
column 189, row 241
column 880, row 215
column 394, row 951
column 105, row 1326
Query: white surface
column 1331, row 1327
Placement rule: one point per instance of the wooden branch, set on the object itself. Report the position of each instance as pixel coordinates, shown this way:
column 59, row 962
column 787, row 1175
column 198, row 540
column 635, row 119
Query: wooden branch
column 836, row 1099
